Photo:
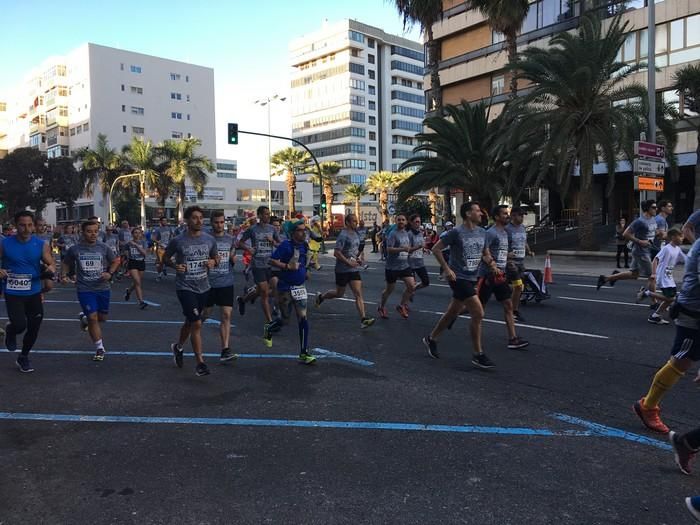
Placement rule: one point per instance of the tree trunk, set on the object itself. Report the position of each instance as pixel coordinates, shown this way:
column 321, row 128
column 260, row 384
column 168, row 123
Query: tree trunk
column 447, row 207
column 512, row 49
column 291, row 189
column 586, row 237
column 432, row 199
column 435, row 92
column 181, row 203
column 383, row 205
column 696, row 200
column 357, row 208
column 328, row 192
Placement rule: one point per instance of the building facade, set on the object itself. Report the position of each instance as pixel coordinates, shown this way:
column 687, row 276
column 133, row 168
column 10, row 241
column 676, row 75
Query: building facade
column 357, row 98
column 473, row 60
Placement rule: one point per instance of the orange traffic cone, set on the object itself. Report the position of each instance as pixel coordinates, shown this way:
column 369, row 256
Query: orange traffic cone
column 548, row 277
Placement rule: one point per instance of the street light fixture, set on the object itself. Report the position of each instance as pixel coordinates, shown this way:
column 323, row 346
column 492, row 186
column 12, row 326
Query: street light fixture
column 266, row 101
column 142, row 188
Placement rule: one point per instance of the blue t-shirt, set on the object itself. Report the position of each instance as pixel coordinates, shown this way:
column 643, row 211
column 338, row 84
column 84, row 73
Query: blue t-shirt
column 689, row 295
column 284, row 253
column 643, row 229
column 22, row 261
column 497, row 243
column 694, row 221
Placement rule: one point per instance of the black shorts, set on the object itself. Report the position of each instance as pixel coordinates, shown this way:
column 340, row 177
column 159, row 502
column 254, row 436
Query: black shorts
column 136, row 265
column 686, row 344
column 462, row 289
column 391, row 276
column 343, row 278
column 220, row 296
column 501, row 290
column 262, row 275
column 514, row 271
column 193, row 304
column 422, row 274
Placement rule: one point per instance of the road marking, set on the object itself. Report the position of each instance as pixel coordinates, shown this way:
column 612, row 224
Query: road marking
column 128, row 321
column 590, row 286
column 321, row 353
column 601, row 301
column 57, row 301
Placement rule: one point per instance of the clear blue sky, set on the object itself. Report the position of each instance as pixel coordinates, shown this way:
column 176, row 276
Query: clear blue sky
column 245, row 42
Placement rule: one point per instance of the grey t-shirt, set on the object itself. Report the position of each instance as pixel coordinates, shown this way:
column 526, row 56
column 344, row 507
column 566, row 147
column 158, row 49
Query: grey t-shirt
column 643, row 228
column 517, row 240
column 689, row 295
column 415, row 259
column 194, row 252
column 397, row 261
column 466, row 250
column 68, row 240
column 661, row 226
column 134, row 253
column 347, row 243
column 89, row 262
column 497, row 243
column 221, row 276
column 124, row 237
column 163, row 234
column 257, row 238
column 694, row 221
column 112, row 240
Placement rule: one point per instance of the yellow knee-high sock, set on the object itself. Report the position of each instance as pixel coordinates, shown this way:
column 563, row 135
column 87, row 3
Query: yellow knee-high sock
column 667, row 376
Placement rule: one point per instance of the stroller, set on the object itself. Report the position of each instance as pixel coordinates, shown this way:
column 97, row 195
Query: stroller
column 534, row 287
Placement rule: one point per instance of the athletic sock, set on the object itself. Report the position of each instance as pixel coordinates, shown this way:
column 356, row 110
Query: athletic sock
column 303, row 334
column 99, row 345
column 667, row 376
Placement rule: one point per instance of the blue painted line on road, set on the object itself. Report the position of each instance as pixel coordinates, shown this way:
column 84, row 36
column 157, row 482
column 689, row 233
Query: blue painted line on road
column 361, row 425
column 343, row 357
column 603, row 430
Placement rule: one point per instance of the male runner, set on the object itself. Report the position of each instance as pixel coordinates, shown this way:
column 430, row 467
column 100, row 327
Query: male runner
column 22, row 255
column 195, row 254
column 291, row 258
column 221, row 282
column 112, row 239
column 415, row 258
column 468, row 251
column 94, row 264
column 260, row 240
column 65, row 241
column 691, row 228
column 347, row 270
column 517, row 241
column 162, row 235
column 398, row 250
column 686, row 346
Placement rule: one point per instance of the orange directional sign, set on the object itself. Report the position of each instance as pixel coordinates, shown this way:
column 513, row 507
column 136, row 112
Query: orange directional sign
column 650, row 184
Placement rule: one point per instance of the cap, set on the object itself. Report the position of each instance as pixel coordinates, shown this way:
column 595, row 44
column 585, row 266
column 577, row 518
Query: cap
column 449, row 223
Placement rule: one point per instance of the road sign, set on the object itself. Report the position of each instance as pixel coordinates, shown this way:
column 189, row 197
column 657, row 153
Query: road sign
column 649, row 149
column 391, row 209
column 648, row 184
column 651, row 167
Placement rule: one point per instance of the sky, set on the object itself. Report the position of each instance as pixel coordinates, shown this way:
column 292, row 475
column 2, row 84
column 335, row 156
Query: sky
column 245, row 42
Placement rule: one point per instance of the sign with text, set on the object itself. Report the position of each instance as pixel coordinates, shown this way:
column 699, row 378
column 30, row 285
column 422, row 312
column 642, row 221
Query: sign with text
column 649, row 149
column 651, row 167
column 648, row 184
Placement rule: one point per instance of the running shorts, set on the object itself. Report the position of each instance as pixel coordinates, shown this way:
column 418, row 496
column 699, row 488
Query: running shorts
column 136, row 265
column 94, row 302
column 641, row 264
column 193, row 304
column 422, row 274
column 391, row 276
column 686, row 344
column 514, row 272
column 669, row 292
column 343, row 278
column 261, row 275
column 501, row 290
column 220, row 296
column 462, row 289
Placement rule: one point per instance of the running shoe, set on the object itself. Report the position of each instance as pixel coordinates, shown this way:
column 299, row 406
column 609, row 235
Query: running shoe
column 306, row 358
column 483, row 362
column 143, row 305
column 10, row 340
column 83, row 321
column 650, row 417
column 601, row 282
column 382, row 312
column 431, row 346
column 99, row 355
column 127, row 294
column 158, row 278
column 403, row 311
column 516, row 343
column 693, row 506
column 24, row 365
column 319, row 300
column 267, row 335
column 241, row 305
column 517, row 316
column 366, row 322
column 640, row 295
column 682, row 454
column 178, row 354
column 227, row 355
column 202, row 370
column 657, row 319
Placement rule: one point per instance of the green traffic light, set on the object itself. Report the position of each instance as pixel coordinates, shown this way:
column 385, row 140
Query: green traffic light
column 232, row 133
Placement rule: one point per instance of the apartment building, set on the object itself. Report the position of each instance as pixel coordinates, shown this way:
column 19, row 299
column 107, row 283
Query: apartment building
column 473, row 59
column 64, row 103
column 357, row 98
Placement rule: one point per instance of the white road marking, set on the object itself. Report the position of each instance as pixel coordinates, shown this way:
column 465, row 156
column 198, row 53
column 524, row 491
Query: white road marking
column 601, row 301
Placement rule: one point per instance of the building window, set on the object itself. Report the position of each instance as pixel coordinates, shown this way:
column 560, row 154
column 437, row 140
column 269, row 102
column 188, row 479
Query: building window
column 357, row 37
column 408, row 68
column 86, row 126
column 137, row 90
column 176, row 135
column 188, row 116
column 372, row 121
column 371, row 90
column 370, row 59
column 370, row 42
column 497, row 37
column 408, row 126
column 372, row 166
column 187, row 78
column 356, row 83
column 122, row 87
column 135, row 110
column 410, row 53
column 372, row 135
column 137, row 130
column 176, row 115
column 123, row 129
column 121, row 66
column 357, row 100
column 188, row 98
column 373, row 151
column 498, row 85
column 72, row 132
column 370, row 74
column 175, row 76
column 409, row 112
column 357, row 68
column 176, row 96
column 135, row 69
column 354, row 52
column 408, row 97
column 372, row 105
column 123, row 108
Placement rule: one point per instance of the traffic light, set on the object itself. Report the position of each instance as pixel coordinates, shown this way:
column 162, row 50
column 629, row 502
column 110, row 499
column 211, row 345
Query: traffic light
column 232, row 133
column 2, row 205
column 323, row 202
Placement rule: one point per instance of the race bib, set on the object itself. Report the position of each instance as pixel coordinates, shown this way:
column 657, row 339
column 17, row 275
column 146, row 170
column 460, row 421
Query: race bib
column 501, row 258
column 90, row 266
column 298, row 293
column 264, row 248
column 519, row 253
column 223, row 265
column 402, row 256
column 196, row 269
column 418, row 254
column 19, row 282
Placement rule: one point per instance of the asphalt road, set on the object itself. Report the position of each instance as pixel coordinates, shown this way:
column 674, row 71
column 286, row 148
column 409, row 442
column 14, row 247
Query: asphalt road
column 376, row 432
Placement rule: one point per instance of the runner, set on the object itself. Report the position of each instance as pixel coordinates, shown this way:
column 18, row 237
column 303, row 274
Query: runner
column 221, row 282
column 124, row 234
column 398, row 249
column 641, row 232
column 347, row 270
column 415, row 259
column 22, row 255
column 691, row 228
column 314, row 240
column 291, row 259
column 162, row 235
column 136, row 250
column 64, row 242
column 112, row 239
column 445, row 252
column 260, row 240
column 94, row 264
column 515, row 269
column 494, row 281
column 686, row 346
column 468, row 251
column 195, row 253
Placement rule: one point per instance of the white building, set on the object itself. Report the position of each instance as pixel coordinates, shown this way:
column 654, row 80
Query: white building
column 64, row 103
column 357, row 98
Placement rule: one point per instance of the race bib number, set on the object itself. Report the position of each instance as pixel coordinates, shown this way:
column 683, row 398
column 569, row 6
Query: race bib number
column 298, row 293
column 264, row 249
column 669, row 273
column 519, row 253
column 196, row 269
column 402, row 256
column 501, row 258
column 19, row 282
column 223, row 265
column 418, row 254
column 90, row 266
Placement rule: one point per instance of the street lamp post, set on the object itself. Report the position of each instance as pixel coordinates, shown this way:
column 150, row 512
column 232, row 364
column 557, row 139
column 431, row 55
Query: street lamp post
column 266, row 101
column 142, row 188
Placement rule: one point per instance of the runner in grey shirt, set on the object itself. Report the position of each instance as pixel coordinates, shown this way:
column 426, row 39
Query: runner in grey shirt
column 348, row 243
column 691, row 228
column 94, row 263
column 398, row 249
column 415, row 258
column 518, row 249
column 161, row 236
column 195, row 253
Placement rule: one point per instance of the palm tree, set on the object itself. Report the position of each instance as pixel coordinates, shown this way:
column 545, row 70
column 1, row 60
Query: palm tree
column 686, row 81
column 355, row 192
column 286, row 162
column 99, row 166
column 458, row 152
column 506, row 17
column 383, row 183
column 329, row 171
column 142, row 155
column 577, row 82
column 182, row 164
